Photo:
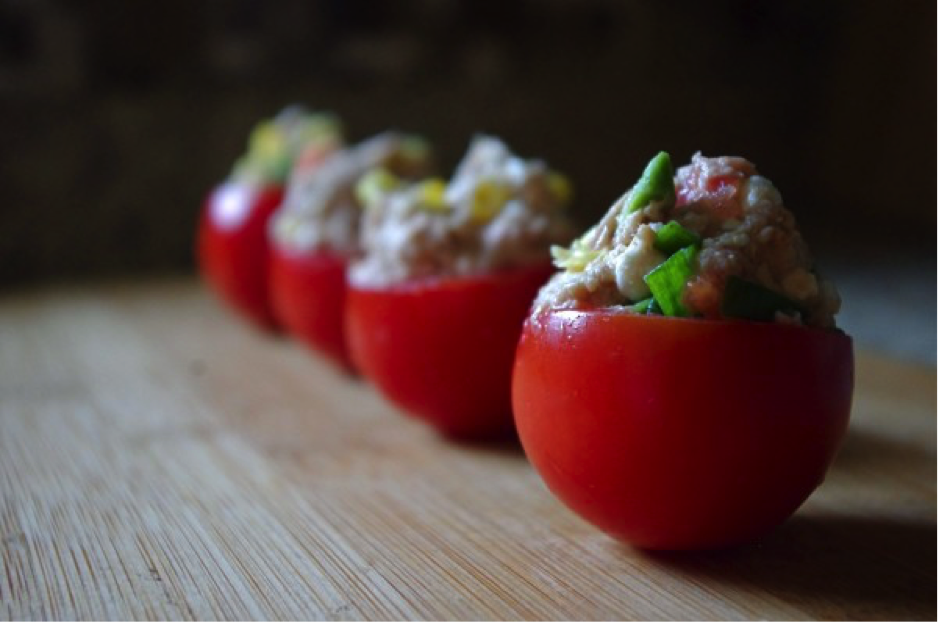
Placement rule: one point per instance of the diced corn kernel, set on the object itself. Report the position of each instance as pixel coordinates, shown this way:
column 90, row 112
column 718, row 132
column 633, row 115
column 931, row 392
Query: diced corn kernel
column 560, row 187
column 431, row 194
column 373, row 184
column 267, row 141
column 488, row 198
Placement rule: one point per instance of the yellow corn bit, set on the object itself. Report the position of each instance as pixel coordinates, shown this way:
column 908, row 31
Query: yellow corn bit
column 575, row 258
column 431, row 193
column 560, row 187
column 267, row 141
column 488, row 199
column 373, row 185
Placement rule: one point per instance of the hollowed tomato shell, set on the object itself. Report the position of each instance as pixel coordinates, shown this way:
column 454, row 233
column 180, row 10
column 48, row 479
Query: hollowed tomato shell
column 233, row 249
column 308, row 292
column 673, row 433
column 443, row 348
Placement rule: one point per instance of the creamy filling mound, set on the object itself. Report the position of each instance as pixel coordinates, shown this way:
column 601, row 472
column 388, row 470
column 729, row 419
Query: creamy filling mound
column 293, row 138
column 498, row 211
column 742, row 253
column 321, row 211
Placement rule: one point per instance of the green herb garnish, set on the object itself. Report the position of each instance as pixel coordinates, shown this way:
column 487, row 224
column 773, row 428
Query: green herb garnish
column 648, row 306
column 745, row 300
column 656, row 184
column 668, row 280
column 672, row 237
column 641, row 307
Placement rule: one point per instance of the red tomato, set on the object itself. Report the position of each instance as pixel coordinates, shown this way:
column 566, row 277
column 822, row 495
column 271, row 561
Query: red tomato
column 232, row 246
column 308, row 292
column 443, row 348
column 674, row 433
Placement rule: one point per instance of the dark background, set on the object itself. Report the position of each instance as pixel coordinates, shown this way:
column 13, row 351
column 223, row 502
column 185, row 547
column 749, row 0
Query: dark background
column 118, row 116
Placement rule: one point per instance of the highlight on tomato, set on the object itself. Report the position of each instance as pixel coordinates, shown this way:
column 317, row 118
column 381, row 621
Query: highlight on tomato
column 232, row 247
column 446, row 277
column 681, row 383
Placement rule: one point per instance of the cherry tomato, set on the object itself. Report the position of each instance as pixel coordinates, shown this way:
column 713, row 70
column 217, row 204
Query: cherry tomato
column 674, row 433
column 308, row 292
column 443, row 348
column 232, row 247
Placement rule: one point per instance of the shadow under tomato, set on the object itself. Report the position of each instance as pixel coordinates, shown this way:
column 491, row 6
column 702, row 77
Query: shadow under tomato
column 832, row 566
column 874, row 450
column 505, row 443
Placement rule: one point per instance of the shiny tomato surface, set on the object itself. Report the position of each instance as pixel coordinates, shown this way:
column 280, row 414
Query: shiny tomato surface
column 233, row 247
column 443, row 348
column 674, row 433
column 308, row 292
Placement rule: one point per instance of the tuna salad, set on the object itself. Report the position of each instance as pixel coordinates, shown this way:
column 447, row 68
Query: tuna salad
column 292, row 137
column 498, row 211
column 712, row 241
column 321, row 210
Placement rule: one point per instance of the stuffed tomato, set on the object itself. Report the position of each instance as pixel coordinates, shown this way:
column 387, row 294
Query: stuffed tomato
column 316, row 231
column 446, row 278
column 443, row 349
column 232, row 246
column 308, row 293
column 681, row 383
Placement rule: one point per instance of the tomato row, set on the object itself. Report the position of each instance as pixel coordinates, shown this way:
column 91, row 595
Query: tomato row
column 669, row 433
column 443, row 349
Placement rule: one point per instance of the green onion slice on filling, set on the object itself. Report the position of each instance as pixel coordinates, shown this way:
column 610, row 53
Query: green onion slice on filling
column 642, row 306
column 672, row 237
column 648, row 306
column 656, row 184
column 668, row 280
column 745, row 300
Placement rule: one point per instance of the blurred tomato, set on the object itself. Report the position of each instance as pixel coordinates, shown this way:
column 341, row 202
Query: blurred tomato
column 443, row 348
column 308, row 292
column 233, row 247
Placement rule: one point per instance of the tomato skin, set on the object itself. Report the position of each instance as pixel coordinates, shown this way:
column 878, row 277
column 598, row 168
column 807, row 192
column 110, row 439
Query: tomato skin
column 443, row 349
column 233, row 249
column 308, row 291
column 674, row 433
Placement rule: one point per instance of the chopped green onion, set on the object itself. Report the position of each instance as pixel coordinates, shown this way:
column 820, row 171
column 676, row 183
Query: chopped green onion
column 641, row 307
column 668, row 280
column 414, row 148
column 656, row 184
column 672, row 237
column 745, row 300
column 648, row 306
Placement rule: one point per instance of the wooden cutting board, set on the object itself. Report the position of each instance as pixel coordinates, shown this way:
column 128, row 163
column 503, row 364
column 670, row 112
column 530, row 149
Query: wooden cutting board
column 159, row 459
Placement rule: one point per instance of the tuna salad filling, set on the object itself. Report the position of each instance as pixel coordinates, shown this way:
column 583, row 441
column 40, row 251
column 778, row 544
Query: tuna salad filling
column 712, row 241
column 497, row 212
column 321, row 211
column 292, row 137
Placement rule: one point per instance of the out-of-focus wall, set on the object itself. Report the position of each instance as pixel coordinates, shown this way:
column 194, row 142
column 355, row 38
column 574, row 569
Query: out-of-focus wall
column 116, row 117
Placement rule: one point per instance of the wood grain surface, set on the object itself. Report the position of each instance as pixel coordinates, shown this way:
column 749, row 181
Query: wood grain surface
column 159, row 459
